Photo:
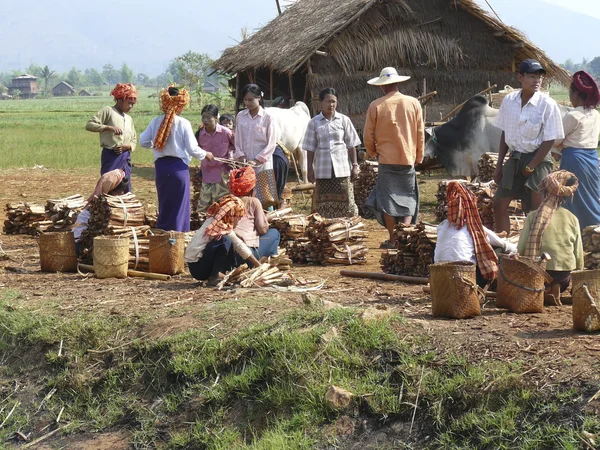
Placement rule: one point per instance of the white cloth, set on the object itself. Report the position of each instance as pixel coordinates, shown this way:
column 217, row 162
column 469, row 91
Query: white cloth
column 582, row 128
column 181, row 142
column 457, row 245
column 526, row 128
column 81, row 223
column 256, row 138
column 195, row 248
column 330, row 141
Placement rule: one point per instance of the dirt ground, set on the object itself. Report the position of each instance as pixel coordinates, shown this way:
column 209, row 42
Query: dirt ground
column 551, row 351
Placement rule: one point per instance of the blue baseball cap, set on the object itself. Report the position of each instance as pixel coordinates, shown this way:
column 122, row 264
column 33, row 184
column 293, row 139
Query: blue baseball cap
column 531, row 66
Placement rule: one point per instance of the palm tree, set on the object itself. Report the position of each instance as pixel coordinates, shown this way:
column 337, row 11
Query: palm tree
column 46, row 74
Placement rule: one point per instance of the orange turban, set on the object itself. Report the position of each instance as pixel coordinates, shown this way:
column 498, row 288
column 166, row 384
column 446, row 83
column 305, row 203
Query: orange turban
column 122, row 90
column 242, row 181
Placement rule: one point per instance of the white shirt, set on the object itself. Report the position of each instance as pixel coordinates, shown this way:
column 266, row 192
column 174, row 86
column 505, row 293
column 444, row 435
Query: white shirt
column 181, row 142
column 526, row 128
column 256, row 138
column 81, row 223
column 582, row 128
column 195, row 248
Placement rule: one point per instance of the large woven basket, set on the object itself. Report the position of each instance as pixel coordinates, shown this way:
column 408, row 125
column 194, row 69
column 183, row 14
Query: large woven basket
column 111, row 256
column 586, row 293
column 57, row 252
column 266, row 188
column 166, row 253
column 521, row 285
column 454, row 290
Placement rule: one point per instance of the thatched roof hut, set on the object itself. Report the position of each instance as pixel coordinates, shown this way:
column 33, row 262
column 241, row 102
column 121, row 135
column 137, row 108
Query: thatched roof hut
column 454, row 45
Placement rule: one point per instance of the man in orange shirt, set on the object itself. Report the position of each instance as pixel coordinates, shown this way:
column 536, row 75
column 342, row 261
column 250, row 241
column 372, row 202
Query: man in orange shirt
column 394, row 134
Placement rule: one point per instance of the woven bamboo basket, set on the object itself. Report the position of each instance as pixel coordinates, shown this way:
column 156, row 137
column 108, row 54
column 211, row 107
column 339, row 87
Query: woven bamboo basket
column 57, row 252
column 521, row 285
column 111, row 256
column 166, row 253
column 454, row 290
column 586, row 292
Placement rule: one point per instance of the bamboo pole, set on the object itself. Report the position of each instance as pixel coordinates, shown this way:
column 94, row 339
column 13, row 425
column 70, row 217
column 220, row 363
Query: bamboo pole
column 451, row 113
column 490, row 294
column 271, row 84
column 278, row 7
column 425, row 104
column 237, row 93
column 384, row 277
column 303, row 187
column 134, row 273
column 292, row 98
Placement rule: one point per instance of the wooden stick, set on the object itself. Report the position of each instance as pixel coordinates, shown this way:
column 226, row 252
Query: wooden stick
column 490, row 294
column 384, row 276
column 42, row 438
column 303, row 187
column 134, row 273
column 451, row 113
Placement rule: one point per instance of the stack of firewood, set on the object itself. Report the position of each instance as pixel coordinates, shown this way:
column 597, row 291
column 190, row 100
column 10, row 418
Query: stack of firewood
column 291, row 226
column 274, row 272
column 590, row 237
column 364, row 185
column 196, row 182
column 486, row 167
column 26, row 218
column 298, row 251
column 416, row 245
column 337, row 241
column 118, row 216
column 63, row 212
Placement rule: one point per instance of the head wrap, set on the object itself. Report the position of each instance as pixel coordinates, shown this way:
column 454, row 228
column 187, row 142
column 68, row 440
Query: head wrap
column 462, row 208
column 172, row 102
column 106, row 183
column 584, row 83
column 122, row 90
column 242, row 181
column 555, row 188
column 224, row 212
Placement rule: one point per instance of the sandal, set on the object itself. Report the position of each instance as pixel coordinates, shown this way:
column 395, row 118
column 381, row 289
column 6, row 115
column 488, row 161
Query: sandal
column 388, row 245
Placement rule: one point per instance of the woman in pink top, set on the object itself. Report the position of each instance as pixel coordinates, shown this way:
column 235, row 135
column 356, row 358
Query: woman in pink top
column 218, row 140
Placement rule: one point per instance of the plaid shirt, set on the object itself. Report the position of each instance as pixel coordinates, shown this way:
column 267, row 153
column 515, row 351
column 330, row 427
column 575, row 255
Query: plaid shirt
column 462, row 208
column 330, row 141
column 525, row 128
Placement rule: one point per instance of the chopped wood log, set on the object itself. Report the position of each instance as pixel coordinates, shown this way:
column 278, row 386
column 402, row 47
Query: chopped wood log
column 486, row 166
column 291, row 226
column 590, row 237
column 363, row 186
column 63, row 212
column 384, row 276
column 134, row 273
column 416, row 246
column 26, row 218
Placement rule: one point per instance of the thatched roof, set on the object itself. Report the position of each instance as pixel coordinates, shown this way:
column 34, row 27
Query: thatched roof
column 308, row 26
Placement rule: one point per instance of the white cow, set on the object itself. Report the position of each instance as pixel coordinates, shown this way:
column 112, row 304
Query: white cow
column 291, row 125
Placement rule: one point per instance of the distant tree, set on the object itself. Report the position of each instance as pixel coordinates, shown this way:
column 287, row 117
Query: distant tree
column 594, row 66
column 34, row 69
column 142, row 78
column 126, row 75
column 110, row 74
column 569, row 65
column 46, row 74
column 74, row 77
column 16, row 94
column 193, row 69
column 173, row 72
column 94, row 77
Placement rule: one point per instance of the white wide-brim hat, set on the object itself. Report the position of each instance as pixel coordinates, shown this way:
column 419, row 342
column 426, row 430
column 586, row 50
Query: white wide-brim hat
column 388, row 75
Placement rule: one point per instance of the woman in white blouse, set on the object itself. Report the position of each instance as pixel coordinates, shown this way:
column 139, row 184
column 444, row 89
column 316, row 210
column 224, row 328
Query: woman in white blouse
column 579, row 153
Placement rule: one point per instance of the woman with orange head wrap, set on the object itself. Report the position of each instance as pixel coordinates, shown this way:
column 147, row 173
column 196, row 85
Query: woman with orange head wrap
column 578, row 149
column 117, row 133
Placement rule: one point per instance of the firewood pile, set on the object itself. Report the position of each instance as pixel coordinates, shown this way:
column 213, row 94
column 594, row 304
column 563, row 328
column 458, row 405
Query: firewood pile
column 63, row 212
column 298, row 251
column 364, row 185
column 337, row 241
column 291, row 226
column 485, row 201
column 274, row 272
column 486, row 166
column 196, row 182
column 118, row 216
column 416, row 245
column 26, row 218
column 197, row 219
column 590, row 236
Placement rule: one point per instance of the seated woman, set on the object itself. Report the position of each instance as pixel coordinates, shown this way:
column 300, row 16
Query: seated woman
column 112, row 183
column 212, row 251
column 473, row 242
column 554, row 230
column 253, row 228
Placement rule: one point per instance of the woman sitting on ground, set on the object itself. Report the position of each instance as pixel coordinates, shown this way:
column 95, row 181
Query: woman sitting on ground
column 554, row 230
column 253, row 228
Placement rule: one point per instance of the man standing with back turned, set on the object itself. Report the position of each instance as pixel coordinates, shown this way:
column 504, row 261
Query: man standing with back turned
column 530, row 122
column 394, row 134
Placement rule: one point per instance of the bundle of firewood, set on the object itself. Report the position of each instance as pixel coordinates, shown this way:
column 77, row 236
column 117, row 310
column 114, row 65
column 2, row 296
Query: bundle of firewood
column 298, row 251
column 196, row 182
column 63, row 212
column 486, row 166
column 118, row 216
column 337, row 241
column 197, row 219
column 26, row 218
column 590, row 236
column 291, row 226
column 364, row 185
column 416, row 245
column 274, row 272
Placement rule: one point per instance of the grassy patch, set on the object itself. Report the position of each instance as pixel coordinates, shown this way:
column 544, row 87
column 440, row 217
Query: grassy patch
column 263, row 388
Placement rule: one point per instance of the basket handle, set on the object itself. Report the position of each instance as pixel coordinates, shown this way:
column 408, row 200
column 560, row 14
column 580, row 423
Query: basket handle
column 480, row 292
column 527, row 288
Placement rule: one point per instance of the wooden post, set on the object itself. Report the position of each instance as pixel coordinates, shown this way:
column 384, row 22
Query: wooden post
column 237, row 93
column 425, row 105
column 278, row 7
column 489, row 93
column 271, row 84
column 309, row 91
column 292, row 99
column 384, row 277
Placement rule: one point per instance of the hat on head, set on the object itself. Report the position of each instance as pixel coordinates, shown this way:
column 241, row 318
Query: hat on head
column 388, row 75
column 531, row 66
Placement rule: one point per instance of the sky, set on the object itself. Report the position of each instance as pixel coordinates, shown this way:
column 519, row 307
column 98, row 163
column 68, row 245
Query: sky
column 142, row 33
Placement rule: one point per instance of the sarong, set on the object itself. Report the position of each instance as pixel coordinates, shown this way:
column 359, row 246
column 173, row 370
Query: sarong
column 112, row 161
column 585, row 204
column 396, row 193
column 281, row 167
column 212, row 192
column 173, row 189
column 334, row 197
